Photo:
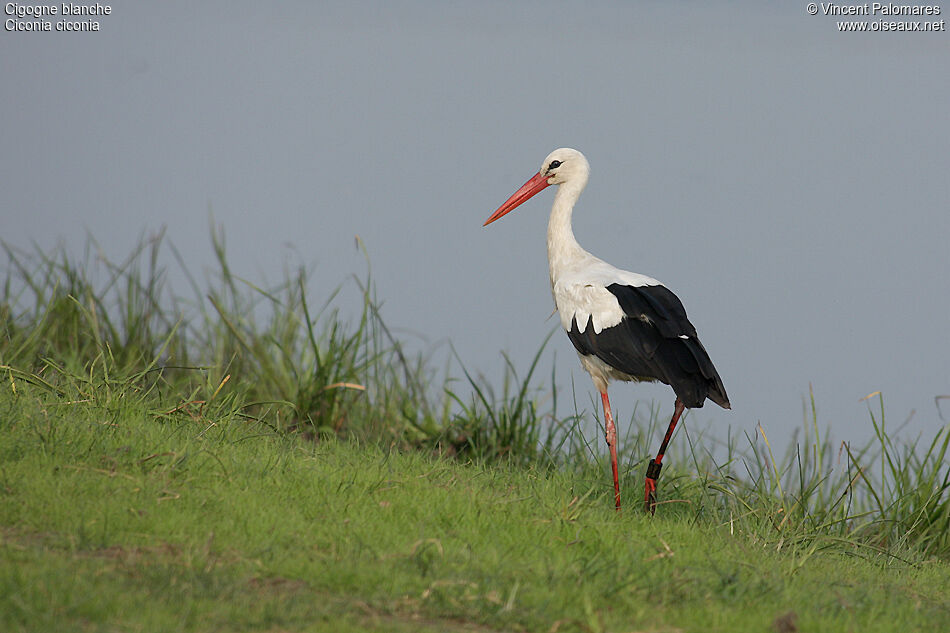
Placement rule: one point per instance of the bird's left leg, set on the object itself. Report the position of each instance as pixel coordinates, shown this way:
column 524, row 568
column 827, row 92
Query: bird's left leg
column 653, row 470
column 611, row 433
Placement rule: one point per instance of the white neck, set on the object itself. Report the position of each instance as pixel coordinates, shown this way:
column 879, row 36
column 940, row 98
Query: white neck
column 563, row 249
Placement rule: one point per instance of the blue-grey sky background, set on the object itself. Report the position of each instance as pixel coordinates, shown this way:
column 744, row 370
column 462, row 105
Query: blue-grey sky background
column 789, row 182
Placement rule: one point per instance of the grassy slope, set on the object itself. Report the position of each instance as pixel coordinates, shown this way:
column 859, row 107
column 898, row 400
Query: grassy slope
column 115, row 516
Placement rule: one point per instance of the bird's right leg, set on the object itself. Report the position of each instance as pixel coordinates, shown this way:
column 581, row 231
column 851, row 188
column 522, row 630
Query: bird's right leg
column 653, row 470
column 611, row 434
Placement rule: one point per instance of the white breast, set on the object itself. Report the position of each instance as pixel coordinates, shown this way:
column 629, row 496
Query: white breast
column 580, row 292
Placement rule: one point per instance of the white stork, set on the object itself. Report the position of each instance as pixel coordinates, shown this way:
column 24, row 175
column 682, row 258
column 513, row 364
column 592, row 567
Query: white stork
column 625, row 326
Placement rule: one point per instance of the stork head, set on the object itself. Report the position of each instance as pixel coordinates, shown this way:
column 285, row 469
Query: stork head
column 562, row 166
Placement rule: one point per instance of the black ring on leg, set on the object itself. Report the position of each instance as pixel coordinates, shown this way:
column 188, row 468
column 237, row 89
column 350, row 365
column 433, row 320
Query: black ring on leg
column 653, row 470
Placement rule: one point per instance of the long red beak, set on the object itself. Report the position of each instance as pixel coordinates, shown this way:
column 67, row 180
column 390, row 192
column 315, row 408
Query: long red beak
column 535, row 184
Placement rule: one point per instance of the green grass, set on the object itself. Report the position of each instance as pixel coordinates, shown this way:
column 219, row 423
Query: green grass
column 242, row 461
column 118, row 518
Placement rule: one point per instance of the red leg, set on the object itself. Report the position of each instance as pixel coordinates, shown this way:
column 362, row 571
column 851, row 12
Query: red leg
column 611, row 433
column 653, row 470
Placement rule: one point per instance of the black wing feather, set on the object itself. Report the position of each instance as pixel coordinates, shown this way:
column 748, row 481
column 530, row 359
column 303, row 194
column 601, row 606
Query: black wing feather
column 654, row 341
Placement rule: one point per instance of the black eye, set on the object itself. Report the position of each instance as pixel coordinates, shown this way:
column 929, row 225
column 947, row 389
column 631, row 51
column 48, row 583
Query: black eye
column 554, row 164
